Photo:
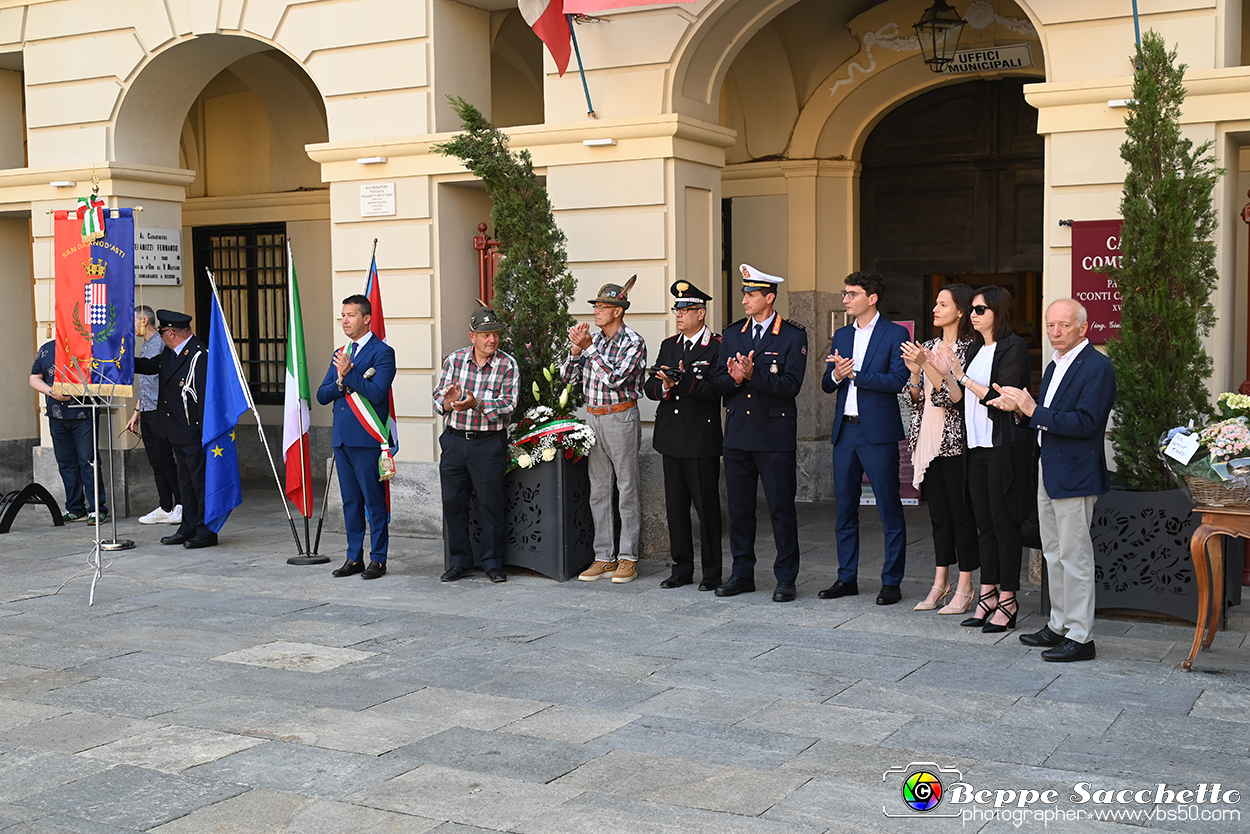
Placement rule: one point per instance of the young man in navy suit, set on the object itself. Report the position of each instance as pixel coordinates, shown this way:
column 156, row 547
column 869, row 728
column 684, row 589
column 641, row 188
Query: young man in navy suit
column 866, row 369
column 1077, row 393
column 365, row 366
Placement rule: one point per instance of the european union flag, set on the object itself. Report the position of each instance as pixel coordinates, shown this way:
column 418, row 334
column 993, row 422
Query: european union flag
column 225, row 401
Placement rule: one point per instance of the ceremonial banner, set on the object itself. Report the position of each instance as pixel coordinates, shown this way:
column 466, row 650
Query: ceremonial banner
column 225, row 401
column 1096, row 246
column 296, row 412
column 95, row 299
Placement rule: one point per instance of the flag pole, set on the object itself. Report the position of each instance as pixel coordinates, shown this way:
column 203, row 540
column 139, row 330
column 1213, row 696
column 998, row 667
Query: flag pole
column 325, row 500
column 238, row 369
column 590, row 108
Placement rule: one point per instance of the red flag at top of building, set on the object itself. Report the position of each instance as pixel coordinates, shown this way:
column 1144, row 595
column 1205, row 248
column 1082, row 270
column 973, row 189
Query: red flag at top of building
column 546, row 18
column 593, row 6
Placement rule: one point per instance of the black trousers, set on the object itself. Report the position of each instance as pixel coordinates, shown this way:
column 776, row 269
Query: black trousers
column 161, row 456
column 954, row 529
column 469, row 466
column 998, row 530
column 694, row 481
column 778, row 473
column 191, row 467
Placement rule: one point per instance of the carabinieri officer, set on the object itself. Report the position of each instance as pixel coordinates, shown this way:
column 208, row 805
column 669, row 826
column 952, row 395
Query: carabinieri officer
column 688, row 436
column 759, row 373
column 179, row 418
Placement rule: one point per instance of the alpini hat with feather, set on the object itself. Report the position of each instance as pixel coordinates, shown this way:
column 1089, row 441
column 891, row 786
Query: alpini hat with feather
column 615, row 294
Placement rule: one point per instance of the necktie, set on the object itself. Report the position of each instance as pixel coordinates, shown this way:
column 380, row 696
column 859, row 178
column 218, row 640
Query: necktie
column 759, row 334
column 351, row 351
column 685, row 354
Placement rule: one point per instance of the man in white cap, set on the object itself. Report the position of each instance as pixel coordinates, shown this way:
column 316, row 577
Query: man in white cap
column 759, row 373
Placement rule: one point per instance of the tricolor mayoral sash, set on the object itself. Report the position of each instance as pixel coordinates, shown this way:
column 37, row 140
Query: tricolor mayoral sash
column 95, row 300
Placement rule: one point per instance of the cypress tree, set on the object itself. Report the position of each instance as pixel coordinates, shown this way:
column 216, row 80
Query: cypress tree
column 533, row 285
column 1167, row 272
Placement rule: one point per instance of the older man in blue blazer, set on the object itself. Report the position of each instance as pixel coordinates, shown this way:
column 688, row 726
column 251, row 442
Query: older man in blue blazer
column 866, row 370
column 1078, row 390
column 365, row 366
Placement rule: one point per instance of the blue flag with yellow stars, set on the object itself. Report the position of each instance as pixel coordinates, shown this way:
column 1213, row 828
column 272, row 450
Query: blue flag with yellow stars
column 225, row 401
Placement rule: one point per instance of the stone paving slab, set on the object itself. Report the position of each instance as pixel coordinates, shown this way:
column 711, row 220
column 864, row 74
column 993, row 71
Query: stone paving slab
column 132, row 797
column 297, row 768
column 266, row 810
column 605, row 812
column 25, row 772
column 171, row 749
column 135, row 698
column 709, row 742
column 497, row 754
column 435, row 792
column 576, row 725
column 76, row 731
column 686, row 782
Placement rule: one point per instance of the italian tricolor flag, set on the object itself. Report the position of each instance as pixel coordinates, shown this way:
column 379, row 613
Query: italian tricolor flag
column 295, row 446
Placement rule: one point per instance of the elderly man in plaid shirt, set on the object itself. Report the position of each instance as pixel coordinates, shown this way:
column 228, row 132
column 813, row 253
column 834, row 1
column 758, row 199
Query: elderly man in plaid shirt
column 475, row 394
column 611, row 367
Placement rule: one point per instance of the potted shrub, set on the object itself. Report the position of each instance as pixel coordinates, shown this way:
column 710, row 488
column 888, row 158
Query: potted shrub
column 1166, row 277
column 548, row 487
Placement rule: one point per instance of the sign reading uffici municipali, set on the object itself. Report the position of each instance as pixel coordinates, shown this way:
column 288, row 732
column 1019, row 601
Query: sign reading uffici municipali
column 159, row 258
column 990, row 59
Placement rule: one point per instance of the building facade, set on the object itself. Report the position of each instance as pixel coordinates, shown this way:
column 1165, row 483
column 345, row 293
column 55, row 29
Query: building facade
column 806, row 137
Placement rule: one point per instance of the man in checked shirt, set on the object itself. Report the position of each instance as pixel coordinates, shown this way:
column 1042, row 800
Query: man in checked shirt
column 610, row 367
column 475, row 394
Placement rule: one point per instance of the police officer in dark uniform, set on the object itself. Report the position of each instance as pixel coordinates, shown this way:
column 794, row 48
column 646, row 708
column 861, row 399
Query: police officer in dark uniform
column 688, row 436
column 183, row 368
column 759, row 373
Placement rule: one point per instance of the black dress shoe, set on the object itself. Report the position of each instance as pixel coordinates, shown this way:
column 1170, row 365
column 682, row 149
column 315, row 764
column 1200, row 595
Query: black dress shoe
column 736, row 585
column 889, row 595
column 784, row 592
column 496, row 575
column 349, row 568
column 675, row 582
column 201, row 541
column 1069, row 651
column 1045, row 637
column 709, row 583
column 839, row 589
column 453, row 573
column 176, row 538
column 374, row 570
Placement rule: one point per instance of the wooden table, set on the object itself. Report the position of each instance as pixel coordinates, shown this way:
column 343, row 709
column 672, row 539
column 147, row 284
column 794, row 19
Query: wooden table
column 1209, row 570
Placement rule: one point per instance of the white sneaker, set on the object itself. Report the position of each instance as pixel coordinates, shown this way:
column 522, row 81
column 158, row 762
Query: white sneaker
column 174, row 516
column 157, row 516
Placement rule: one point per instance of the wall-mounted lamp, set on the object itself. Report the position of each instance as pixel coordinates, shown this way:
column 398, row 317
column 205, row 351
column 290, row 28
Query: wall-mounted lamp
column 598, row 143
column 1121, row 102
column 938, row 30
column 63, row 184
column 371, row 160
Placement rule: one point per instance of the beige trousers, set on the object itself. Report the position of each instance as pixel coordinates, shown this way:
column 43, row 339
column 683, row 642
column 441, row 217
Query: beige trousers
column 1069, row 554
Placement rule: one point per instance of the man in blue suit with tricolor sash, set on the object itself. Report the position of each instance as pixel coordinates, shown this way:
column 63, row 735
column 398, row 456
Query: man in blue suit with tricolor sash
column 358, row 384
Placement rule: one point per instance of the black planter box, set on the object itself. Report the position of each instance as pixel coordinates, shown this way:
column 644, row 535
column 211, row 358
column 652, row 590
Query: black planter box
column 1141, row 555
column 548, row 520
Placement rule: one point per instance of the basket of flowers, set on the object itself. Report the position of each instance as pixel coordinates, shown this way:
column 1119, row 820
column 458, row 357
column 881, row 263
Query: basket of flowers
column 1216, row 472
column 549, row 428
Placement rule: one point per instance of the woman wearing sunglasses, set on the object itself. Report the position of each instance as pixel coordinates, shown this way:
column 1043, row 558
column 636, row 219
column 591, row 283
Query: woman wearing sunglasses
column 999, row 476
column 937, row 447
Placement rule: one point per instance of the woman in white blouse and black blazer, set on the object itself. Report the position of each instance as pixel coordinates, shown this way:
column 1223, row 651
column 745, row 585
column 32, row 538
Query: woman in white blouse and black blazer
column 1000, row 480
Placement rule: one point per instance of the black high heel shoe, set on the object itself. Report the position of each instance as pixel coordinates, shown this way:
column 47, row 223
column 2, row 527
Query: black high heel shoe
column 1009, row 607
column 983, row 604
